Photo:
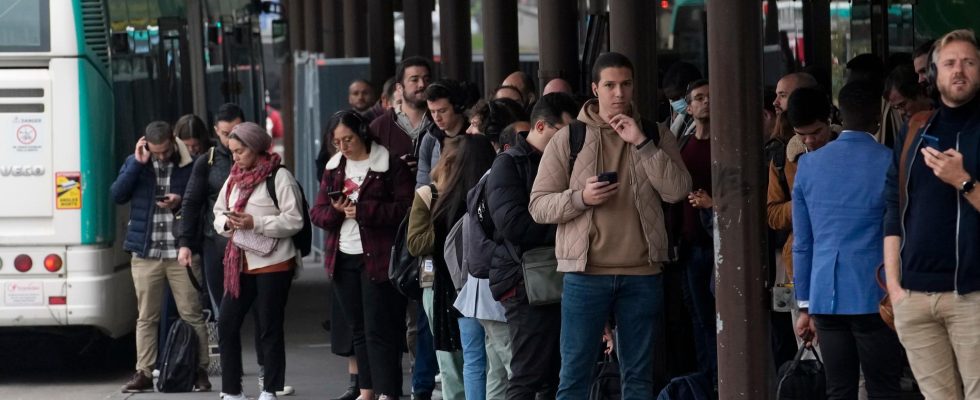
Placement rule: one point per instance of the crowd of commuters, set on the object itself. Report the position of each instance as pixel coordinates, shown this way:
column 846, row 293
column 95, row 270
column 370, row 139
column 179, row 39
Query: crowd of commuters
column 875, row 187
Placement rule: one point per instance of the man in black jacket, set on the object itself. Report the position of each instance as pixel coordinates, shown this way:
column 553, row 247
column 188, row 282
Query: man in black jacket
column 534, row 330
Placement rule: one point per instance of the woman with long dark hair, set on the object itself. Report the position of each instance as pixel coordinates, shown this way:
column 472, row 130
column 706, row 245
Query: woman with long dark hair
column 364, row 194
column 435, row 210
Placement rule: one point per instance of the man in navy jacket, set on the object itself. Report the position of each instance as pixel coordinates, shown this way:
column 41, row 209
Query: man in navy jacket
column 932, row 229
column 152, row 181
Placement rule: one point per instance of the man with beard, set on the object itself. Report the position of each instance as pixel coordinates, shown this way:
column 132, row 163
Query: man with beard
column 360, row 96
column 400, row 129
column 932, row 260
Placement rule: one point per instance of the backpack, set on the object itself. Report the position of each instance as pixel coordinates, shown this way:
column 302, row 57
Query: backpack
column 606, row 385
column 303, row 240
column 454, row 251
column 576, row 140
column 403, row 267
column 179, row 369
column 479, row 233
column 802, row 379
column 694, row 386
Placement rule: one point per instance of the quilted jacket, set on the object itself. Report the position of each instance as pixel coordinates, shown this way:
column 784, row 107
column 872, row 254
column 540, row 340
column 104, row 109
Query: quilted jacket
column 556, row 197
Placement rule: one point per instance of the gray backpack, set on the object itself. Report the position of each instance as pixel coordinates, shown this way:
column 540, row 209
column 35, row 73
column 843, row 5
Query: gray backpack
column 469, row 250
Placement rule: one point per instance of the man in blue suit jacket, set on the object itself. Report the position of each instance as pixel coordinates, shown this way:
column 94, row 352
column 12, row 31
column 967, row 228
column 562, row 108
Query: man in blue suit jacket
column 838, row 212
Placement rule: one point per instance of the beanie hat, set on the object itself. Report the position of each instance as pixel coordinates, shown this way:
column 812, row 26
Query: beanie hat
column 252, row 136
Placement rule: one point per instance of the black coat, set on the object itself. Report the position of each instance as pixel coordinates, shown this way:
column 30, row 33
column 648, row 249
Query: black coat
column 207, row 178
column 508, row 195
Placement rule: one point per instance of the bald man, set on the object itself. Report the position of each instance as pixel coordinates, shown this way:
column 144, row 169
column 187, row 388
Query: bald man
column 557, row 85
column 525, row 84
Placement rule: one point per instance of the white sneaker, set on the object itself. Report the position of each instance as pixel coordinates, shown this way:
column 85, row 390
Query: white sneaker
column 156, row 373
column 286, row 391
column 240, row 396
column 267, row 396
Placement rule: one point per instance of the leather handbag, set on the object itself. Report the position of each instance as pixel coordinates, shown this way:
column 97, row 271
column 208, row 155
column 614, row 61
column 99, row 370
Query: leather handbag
column 254, row 243
column 885, row 305
column 542, row 281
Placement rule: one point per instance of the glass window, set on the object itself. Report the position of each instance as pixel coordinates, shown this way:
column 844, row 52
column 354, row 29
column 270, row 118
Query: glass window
column 24, row 26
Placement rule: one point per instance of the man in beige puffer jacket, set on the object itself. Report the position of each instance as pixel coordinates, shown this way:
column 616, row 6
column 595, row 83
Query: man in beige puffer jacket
column 611, row 240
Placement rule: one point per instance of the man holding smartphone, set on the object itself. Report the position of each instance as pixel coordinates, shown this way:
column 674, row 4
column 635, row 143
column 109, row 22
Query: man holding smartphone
column 611, row 240
column 151, row 181
column 932, row 259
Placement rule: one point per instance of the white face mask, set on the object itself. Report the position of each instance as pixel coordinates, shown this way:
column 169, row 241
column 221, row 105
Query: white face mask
column 679, row 105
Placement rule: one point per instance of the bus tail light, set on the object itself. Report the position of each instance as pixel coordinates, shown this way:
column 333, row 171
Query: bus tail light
column 52, row 263
column 23, row 263
column 57, row 300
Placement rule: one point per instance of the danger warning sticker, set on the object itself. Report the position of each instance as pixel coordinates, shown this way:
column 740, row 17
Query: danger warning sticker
column 68, row 186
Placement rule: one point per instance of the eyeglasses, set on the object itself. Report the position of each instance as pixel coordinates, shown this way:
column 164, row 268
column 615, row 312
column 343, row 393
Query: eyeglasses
column 345, row 142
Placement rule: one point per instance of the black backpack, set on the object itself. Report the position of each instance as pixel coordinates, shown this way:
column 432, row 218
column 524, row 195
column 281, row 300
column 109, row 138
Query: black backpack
column 576, row 139
column 802, row 379
column 403, row 267
column 694, row 386
column 606, row 384
column 179, row 369
column 303, row 240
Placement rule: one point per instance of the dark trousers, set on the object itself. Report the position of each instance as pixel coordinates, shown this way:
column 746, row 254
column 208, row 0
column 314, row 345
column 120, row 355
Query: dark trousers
column 213, row 255
column 699, row 264
column 535, row 352
column 849, row 342
column 426, row 367
column 375, row 313
column 268, row 292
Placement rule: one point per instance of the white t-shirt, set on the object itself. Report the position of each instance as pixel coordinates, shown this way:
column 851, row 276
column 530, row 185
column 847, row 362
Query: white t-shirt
column 350, row 231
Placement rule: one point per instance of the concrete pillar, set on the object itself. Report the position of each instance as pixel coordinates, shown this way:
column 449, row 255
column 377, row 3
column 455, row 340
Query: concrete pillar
column 633, row 32
column 500, row 46
column 557, row 34
column 382, row 41
column 772, row 22
column 356, row 28
column 294, row 16
column 816, row 31
column 332, row 28
column 418, row 28
column 739, row 185
column 455, row 40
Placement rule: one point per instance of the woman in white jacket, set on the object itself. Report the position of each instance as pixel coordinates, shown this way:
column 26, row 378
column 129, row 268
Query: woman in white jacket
column 260, row 258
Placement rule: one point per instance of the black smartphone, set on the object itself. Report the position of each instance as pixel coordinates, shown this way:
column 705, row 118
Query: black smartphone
column 931, row 141
column 161, row 197
column 611, row 177
column 227, row 213
column 336, row 195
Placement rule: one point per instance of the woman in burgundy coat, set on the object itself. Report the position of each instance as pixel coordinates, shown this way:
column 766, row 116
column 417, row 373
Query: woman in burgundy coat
column 364, row 194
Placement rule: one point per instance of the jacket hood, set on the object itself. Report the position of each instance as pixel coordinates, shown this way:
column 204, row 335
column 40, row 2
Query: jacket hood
column 590, row 116
column 185, row 155
column 378, row 159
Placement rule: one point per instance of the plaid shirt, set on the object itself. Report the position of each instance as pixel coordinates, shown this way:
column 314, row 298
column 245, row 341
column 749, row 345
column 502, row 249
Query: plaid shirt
column 163, row 244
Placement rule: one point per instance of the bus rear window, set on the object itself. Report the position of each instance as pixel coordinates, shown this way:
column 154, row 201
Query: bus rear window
column 25, row 26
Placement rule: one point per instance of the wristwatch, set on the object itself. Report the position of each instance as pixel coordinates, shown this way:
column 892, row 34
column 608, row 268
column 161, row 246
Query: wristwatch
column 967, row 186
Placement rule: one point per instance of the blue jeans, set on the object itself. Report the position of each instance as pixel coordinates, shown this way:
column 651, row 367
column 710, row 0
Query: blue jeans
column 425, row 369
column 587, row 302
column 474, row 358
column 699, row 267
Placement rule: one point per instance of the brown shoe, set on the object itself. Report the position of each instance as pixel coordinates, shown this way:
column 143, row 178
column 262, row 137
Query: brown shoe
column 202, row 384
column 139, row 383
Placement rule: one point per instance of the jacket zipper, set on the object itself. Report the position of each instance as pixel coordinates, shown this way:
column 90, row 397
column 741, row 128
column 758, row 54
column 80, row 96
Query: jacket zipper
column 956, row 272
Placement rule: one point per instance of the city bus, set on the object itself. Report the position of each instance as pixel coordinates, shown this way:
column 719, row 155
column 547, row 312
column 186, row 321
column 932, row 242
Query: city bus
column 61, row 265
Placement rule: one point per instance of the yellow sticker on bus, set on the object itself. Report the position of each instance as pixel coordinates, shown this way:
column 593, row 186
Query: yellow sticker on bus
column 68, row 186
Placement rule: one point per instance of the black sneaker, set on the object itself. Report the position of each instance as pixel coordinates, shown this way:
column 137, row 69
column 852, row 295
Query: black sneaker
column 202, row 384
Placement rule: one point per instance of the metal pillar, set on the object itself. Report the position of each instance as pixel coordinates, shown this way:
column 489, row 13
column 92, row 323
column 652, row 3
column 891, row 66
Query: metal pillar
column 294, row 16
column 739, row 183
column 633, row 32
column 332, row 28
column 195, row 39
column 816, row 33
column 455, row 40
column 356, row 28
column 772, row 22
column 294, row 11
column 418, row 28
column 500, row 47
column 311, row 26
column 557, row 29
column 382, row 40
column 879, row 28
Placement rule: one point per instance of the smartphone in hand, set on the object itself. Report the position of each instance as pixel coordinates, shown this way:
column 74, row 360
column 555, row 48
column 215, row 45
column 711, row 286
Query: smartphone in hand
column 931, row 141
column 161, row 197
column 336, row 195
column 611, row 177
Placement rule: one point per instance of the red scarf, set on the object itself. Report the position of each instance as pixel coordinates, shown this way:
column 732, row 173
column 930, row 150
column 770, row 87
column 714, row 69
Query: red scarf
column 245, row 180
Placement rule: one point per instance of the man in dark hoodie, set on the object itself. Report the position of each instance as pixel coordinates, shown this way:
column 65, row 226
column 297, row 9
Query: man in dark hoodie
column 534, row 329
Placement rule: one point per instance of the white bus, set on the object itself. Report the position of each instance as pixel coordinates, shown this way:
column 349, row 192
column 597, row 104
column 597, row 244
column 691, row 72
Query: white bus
column 60, row 263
